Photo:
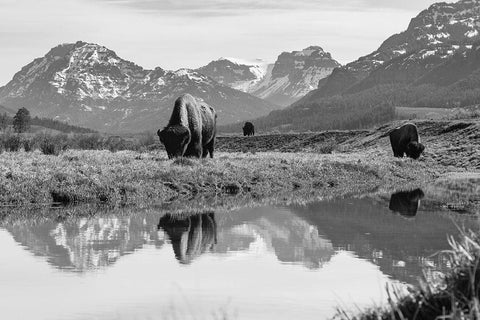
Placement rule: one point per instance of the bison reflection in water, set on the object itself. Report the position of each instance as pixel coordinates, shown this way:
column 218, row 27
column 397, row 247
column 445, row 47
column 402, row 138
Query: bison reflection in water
column 190, row 236
column 406, row 202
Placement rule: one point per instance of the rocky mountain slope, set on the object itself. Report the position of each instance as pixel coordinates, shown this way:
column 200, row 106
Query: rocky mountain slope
column 434, row 63
column 431, row 38
column 89, row 85
column 292, row 76
column 243, row 75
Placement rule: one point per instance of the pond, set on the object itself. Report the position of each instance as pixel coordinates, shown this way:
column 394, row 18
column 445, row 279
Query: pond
column 286, row 262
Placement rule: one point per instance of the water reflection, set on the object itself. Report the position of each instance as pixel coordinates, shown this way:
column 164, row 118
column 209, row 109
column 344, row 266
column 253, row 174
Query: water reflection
column 402, row 248
column 190, row 236
column 290, row 262
column 87, row 243
column 406, row 202
column 279, row 230
column 305, row 235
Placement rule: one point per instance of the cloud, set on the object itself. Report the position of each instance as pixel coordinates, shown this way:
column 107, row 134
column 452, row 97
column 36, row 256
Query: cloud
column 237, row 7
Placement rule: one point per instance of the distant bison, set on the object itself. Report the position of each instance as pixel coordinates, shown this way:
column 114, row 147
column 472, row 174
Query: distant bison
column 406, row 203
column 191, row 130
column 405, row 140
column 248, row 129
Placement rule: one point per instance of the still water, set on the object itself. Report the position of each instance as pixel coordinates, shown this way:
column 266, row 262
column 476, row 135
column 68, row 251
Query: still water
column 297, row 262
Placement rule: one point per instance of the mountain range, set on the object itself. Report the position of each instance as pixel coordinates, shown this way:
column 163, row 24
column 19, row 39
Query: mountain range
column 432, row 37
column 291, row 77
column 434, row 63
column 89, row 85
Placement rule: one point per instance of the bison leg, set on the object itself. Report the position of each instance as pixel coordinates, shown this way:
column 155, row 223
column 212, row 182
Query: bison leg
column 397, row 152
column 209, row 148
column 194, row 150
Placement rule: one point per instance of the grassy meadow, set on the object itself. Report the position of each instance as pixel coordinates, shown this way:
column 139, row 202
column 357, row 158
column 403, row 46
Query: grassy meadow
column 79, row 176
column 91, row 168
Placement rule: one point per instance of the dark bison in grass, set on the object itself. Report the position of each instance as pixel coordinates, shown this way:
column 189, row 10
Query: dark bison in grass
column 248, row 129
column 191, row 130
column 405, row 140
column 190, row 236
column 406, row 202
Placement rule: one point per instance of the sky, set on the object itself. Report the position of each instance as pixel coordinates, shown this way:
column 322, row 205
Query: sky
column 175, row 34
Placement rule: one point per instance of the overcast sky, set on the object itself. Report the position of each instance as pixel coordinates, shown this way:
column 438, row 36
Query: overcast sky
column 190, row 33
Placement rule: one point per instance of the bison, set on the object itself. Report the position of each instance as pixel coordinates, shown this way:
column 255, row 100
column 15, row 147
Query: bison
column 405, row 140
column 248, row 129
column 191, row 130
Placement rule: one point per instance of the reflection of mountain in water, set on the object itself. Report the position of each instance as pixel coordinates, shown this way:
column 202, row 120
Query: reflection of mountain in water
column 83, row 244
column 401, row 247
column 307, row 235
column 292, row 238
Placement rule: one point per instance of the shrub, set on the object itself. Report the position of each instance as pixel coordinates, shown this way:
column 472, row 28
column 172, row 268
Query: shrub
column 116, row 143
column 53, row 145
column 88, row 142
column 147, row 140
column 47, row 146
column 12, row 143
column 328, row 146
column 29, row 144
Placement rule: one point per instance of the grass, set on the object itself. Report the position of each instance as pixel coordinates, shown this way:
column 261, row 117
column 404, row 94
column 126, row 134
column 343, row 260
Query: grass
column 453, row 296
column 308, row 166
column 130, row 177
column 424, row 113
column 55, row 143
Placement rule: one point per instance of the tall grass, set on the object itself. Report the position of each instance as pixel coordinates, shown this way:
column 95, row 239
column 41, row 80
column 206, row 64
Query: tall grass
column 456, row 296
column 54, row 144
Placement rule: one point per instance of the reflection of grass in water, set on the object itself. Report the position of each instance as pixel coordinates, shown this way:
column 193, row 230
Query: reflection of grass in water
column 454, row 296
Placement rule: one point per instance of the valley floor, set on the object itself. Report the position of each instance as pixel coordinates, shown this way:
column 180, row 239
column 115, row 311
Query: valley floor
column 280, row 168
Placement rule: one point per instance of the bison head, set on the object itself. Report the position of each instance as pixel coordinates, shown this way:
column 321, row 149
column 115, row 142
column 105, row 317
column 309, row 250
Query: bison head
column 175, row 139
column 414, row 149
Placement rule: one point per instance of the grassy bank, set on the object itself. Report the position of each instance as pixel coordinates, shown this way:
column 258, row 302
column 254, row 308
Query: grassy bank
column 309, row 165
column 454, row 295
column 131, row 177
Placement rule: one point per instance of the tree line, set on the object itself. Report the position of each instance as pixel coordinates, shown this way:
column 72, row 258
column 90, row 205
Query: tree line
column 22, row 121
column 366, row 108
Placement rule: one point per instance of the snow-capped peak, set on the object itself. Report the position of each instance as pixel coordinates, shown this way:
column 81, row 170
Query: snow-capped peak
column 307, row 52
column 293, row 75
column 190, row 74
column 245, row 62
column 257, row 66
